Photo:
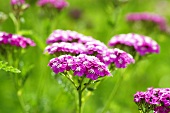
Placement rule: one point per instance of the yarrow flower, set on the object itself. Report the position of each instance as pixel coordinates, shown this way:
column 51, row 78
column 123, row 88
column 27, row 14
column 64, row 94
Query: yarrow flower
column 116, row 56
column 17, row 2
column 161, row 109
column 142, row 44
column 157, row 99
column 19, row 6
column 81, row 65
column 148, row 17
column 95, row 47
column 65, row 47
column 68, row 36
column 15, row 40
column 58, row 4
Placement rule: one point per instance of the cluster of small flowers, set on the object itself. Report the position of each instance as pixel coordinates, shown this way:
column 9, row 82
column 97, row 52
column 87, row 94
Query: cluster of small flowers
column 58, row 4
column 95, row 47
column 142, row 44
column 17, row 2
column 65, row 47
column 158, row 97
column 81, row 65
column 84, row 45
column 68, row 36
column 15, row 40
column 157, row 19
column 120, row 58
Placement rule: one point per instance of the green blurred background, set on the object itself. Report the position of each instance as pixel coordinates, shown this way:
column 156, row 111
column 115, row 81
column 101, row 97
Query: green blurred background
column 102, row 19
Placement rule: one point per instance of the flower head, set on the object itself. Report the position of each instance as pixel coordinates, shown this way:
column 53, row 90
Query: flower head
column 116, row 56
column 142, row 44
column 68, row 36
column 157, row 97
column 95, row 47
column 58, row 4
column 161, row 109
column 81, row 65
column 148, row 17
column 15, row 40
column 17, row 2
column 65, row 47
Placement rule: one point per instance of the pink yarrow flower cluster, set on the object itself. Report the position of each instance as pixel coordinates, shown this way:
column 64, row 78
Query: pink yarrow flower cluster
column 116, row 56
column 81, row 65
column 157, row 19
column 142, row 44
column 58, row 4
column 17, row 2
column 95, row 47
column 157, row 99
column 68, row 36
column 15, row 40
column 65, row 47
column 71, row 42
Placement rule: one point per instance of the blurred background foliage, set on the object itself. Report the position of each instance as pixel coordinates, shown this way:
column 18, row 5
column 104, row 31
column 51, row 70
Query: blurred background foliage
column 102, row 19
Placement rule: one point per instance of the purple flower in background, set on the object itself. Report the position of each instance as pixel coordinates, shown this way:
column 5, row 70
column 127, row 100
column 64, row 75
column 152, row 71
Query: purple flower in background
column 65, row 47
column 142, row 44
column 148, row 17
column 68, row 36
column 159, row 98
column 59, row 4
column 15, row 40
column 17, row 2
column 19, row 6
column 81, row 65
column 120, row 58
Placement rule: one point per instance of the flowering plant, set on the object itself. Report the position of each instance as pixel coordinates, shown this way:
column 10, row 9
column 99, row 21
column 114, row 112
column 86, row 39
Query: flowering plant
column 154, row 99
column 89, row 59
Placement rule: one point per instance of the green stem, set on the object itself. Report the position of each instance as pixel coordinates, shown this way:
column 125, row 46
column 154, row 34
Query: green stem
column 68, row 77
column 80, row 91
column 87, row 84
column 21, row 100
column 80, row 100
column 112, row 94
column 16, row 21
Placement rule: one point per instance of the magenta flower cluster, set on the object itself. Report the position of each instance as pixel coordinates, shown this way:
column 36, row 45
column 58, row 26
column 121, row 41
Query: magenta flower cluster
column 15, row 40
column 157, row 19
column 95, row 47
column 68, row 36
column 65, row 47
column 142, row 44
column 120, row 58
column 81, row 65
column 17, row 2
column 58, row 4
column 71, row 42
column 158, row 98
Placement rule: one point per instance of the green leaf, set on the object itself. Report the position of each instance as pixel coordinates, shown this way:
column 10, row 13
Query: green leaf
column 4, row 66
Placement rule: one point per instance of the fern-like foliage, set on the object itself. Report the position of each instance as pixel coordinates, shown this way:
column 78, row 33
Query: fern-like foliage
column 4, row 66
